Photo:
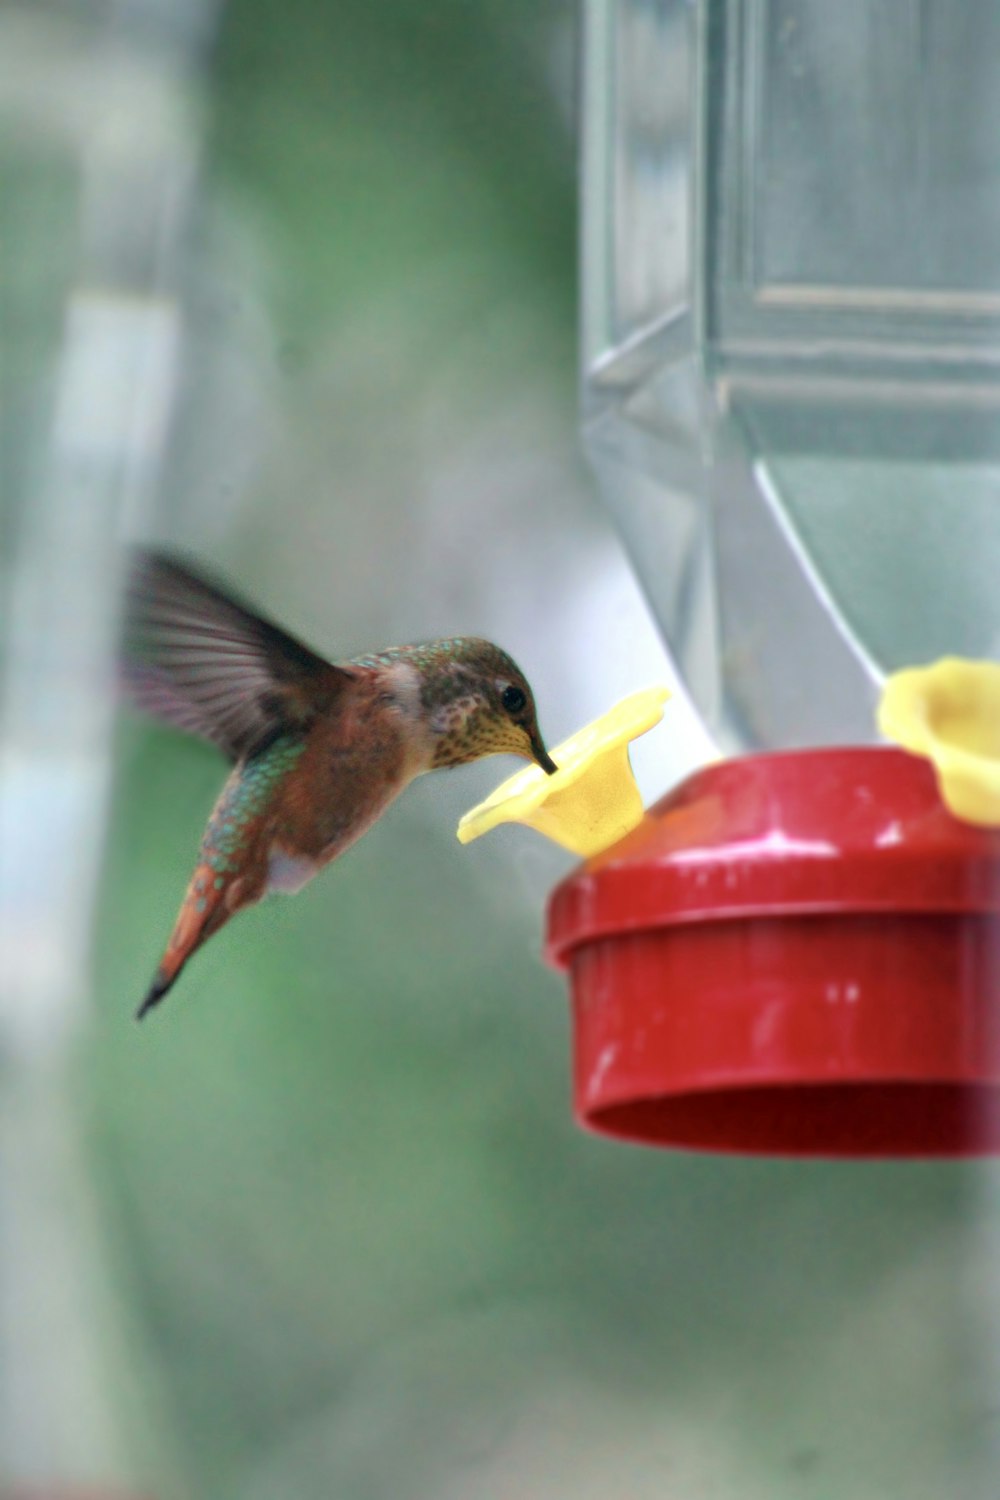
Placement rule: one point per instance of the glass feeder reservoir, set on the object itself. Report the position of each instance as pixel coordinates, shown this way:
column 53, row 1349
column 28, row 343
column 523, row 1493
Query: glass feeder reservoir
column 791, row 332
column 791, row 239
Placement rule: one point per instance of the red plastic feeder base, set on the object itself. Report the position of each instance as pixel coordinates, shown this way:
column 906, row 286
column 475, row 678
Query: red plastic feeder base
column 795, row 954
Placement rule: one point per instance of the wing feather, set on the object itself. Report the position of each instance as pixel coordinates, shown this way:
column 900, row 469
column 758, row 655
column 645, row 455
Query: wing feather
column 200, row 659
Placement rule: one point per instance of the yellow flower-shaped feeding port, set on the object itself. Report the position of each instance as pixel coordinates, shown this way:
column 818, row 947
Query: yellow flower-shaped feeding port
column 950, row 712
column 592, row 800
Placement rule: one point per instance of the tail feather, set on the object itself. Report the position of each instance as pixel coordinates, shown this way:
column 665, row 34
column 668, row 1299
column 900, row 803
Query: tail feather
column 159, row 987
column 206, row 908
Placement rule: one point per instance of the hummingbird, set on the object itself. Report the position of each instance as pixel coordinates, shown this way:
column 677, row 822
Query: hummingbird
column 319, row 749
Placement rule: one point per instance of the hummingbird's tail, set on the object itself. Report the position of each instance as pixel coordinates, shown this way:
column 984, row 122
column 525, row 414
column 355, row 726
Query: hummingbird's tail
column 208, row 904
column 161, row 983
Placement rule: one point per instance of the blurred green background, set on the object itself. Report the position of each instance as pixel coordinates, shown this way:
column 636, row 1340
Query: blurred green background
column 357, row 1248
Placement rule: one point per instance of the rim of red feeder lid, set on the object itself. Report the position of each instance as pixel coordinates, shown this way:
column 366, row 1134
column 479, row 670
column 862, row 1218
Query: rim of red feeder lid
column 748, row 974
column 849, row 828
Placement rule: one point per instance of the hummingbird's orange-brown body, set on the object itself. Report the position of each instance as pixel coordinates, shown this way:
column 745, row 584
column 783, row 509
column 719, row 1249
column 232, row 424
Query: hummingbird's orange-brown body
column 319, row 749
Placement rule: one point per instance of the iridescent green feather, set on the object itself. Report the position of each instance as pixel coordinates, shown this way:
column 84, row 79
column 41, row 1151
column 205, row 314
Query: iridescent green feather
column 244, row 798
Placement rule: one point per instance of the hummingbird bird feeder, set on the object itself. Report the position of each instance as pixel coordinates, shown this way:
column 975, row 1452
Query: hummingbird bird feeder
column 792, row 418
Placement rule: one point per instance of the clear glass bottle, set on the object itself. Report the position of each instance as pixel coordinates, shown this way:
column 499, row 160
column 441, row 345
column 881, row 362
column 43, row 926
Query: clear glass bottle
column 792, row 307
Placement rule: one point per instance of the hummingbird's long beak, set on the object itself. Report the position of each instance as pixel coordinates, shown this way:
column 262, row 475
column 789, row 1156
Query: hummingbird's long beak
column 542, row 756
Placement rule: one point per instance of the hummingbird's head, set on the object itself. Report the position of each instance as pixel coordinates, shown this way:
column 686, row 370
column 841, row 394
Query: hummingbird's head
column 476, row 701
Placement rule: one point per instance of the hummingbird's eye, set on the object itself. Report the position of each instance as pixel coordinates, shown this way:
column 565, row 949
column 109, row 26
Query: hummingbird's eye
column 513, row 699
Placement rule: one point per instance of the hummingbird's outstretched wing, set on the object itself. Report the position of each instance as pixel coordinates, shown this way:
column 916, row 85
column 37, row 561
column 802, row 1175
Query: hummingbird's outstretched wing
column 204, row 662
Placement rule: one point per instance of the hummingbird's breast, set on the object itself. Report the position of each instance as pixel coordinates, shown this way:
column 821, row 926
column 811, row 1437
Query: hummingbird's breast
column 354, row 763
